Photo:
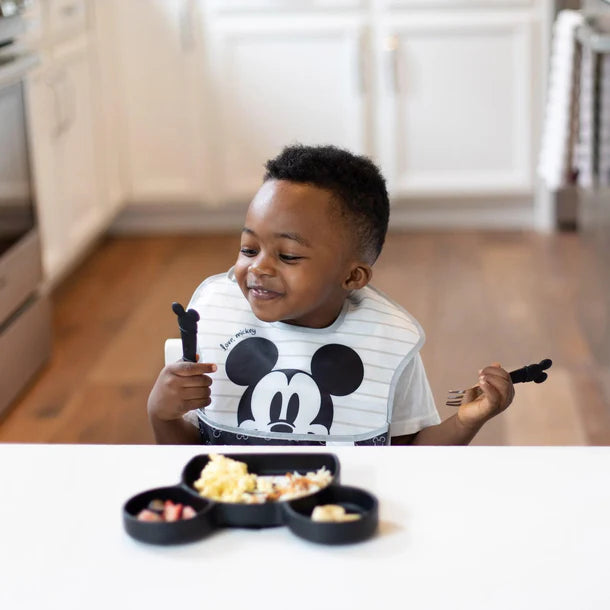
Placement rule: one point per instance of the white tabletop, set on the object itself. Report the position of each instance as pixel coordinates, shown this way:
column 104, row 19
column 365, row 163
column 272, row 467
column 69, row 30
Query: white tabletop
column 470, row 527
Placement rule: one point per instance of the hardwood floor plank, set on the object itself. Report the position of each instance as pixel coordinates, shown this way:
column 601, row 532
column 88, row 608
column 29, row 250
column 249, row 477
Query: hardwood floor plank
column 89, row 308
column 98, row 413
column 546, row 414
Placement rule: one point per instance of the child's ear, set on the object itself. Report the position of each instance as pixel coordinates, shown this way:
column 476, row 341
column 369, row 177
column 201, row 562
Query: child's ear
column 360, row 275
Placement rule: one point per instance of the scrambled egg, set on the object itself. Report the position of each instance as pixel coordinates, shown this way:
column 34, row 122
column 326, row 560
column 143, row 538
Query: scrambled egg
column 225, row 479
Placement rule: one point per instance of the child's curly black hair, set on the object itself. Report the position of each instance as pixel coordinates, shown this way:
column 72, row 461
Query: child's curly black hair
column 355, row 181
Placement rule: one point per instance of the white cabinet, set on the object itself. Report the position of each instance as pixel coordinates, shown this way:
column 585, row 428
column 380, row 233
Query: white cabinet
column 161, row 86
column 64, row 151
column 75, row 199
column 278, row 81
column 457, row 103
column 443, row 94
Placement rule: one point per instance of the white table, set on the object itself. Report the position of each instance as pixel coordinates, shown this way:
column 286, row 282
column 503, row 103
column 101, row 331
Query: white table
column 470, row 527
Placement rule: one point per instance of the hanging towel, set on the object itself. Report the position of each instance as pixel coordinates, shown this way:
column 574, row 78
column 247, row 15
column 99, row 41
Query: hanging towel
column 604, row 121
column 585, row 149
column 555, row 151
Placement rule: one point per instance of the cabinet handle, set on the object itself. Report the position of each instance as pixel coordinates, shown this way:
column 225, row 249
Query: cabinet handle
column 70, row 98
column 187, row 32
column 392, row 46
column 59, row 122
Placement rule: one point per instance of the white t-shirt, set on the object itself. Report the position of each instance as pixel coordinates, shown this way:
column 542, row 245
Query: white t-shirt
column 359, row 380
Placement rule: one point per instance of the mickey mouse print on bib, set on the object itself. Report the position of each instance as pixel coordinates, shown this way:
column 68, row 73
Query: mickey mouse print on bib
column 291, row 400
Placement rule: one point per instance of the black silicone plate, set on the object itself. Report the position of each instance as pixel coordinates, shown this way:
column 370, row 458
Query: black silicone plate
column 271, row 513
column 294, row 513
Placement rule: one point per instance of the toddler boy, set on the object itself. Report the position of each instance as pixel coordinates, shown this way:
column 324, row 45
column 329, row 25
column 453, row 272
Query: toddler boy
column 294, row 344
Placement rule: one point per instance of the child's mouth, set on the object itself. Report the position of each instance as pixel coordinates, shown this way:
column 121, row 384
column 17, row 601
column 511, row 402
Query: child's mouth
column 262, row 293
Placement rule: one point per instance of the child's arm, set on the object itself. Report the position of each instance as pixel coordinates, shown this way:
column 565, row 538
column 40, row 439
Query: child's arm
column 461, row 428
column 180, row 388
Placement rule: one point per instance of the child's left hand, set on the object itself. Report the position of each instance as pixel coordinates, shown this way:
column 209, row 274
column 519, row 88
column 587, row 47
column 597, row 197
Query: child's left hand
column 497, row 392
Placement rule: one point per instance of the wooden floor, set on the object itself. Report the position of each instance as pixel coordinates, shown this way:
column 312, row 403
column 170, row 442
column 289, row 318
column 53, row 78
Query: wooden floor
column 511, row 297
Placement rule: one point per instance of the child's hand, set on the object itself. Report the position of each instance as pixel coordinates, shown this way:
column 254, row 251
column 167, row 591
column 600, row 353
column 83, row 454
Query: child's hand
column 180, row 387
column 497, row 393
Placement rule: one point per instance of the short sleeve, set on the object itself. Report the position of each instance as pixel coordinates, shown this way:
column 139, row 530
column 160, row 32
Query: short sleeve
column 413, row 406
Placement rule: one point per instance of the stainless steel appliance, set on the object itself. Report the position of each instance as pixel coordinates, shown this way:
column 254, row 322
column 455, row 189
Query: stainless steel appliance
column 25, row 329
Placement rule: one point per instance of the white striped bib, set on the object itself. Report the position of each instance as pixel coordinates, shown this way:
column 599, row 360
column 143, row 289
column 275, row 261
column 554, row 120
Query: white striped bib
column 279, row 383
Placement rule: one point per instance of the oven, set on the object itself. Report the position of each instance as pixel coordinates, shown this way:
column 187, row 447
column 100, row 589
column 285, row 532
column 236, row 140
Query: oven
column 25, row 329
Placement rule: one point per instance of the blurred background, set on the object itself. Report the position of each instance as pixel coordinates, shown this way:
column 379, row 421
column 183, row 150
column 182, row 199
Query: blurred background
column 133, row 135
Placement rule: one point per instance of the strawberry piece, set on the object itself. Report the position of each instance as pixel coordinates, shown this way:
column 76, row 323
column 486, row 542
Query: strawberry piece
column 171, row 511
column 188, row 512
column 148, row 515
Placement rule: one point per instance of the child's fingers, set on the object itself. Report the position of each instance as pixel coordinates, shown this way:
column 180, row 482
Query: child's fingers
column 194, row 398
column 191, row 405
column 498, row 388
column 500, row 381
column 195, row 381
column 494, row 369
column 490, row 391
column 496, row 375
column 189, row 369
column 195, row 393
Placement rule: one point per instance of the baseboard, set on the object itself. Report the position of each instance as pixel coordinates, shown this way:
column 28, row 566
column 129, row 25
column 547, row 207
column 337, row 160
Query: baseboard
column 167, row 218
column 464, row 213
column 467, row 213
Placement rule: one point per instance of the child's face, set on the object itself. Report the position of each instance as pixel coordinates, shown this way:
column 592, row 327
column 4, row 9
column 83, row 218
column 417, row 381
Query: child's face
column 296, row 262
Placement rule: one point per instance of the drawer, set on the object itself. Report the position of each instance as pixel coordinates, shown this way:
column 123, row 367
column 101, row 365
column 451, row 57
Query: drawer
column 20, row 274
column 25, row 345
column 66, row 18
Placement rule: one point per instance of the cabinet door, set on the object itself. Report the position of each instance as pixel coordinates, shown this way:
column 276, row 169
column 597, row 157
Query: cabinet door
column 457, row 104
column 279, row 81
column 44, row 123
column 77, row 149
column 157, row 51
column 64, row 148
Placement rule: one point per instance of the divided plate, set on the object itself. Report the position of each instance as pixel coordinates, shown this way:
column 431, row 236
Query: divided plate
column 211, row 514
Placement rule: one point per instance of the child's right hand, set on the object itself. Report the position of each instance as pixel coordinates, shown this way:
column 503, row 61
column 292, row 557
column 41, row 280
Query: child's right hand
column 180, row 387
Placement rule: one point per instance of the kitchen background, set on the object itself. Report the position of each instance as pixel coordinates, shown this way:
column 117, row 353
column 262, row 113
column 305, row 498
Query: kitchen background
column 143, row 129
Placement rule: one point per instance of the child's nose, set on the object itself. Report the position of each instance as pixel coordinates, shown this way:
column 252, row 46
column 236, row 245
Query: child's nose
column 262, row 265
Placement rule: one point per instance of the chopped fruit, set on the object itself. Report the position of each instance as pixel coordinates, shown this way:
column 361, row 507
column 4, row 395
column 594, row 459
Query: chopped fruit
column 149, row 515
column 171, row 511
column 188, row 512
column 156, row 505
column 166, row 511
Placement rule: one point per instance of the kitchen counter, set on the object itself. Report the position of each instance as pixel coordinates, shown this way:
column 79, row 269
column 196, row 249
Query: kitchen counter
column 460, row 527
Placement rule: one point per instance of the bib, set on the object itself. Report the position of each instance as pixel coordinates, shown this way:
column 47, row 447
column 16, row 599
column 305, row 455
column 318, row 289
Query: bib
column 278, row 383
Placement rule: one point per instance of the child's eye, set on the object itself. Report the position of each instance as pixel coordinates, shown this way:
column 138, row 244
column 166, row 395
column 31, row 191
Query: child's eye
column 289, row 258
column 248, row 251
